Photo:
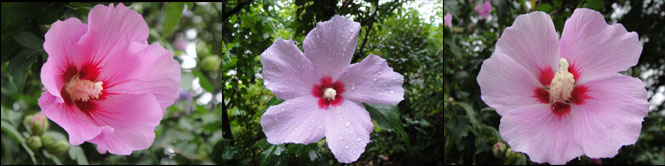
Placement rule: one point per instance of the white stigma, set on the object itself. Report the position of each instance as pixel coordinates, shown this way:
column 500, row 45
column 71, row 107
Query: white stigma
column 562, row 83
column 329, row 94
column 83, row 90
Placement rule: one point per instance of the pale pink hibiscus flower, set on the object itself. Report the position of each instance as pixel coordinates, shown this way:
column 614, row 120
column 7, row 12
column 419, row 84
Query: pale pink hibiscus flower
column 484, row 9
column 448, row 21
column 323, row 93
column 560, row 99
column 104, row 83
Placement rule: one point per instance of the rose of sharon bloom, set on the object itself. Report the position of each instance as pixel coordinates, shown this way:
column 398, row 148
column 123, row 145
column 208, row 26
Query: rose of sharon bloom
column 448, row 21
column 560, row 99
column 323, row 93
column 484, row 9
column 104, row 83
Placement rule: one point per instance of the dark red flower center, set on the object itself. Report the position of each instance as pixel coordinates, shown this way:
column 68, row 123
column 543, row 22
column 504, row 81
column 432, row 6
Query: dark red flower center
column 81, row 87
column 560, row 108
column 328, row 92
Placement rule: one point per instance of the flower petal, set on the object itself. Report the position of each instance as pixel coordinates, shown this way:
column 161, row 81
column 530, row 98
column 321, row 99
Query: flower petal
column 504, row 84
column 130, row 127
column 330, row 45
column 536, row 131
column 347, row 131
column 596, row 49
column 143, row 69
column 373, row 81
column 113, row 27
column 60, row 44
column 297, row 120
column 78, row 125
column 286, row 71
column 612, row 117
column 531, row 42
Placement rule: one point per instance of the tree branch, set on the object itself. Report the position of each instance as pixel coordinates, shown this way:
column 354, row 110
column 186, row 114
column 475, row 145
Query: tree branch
column 235, row 10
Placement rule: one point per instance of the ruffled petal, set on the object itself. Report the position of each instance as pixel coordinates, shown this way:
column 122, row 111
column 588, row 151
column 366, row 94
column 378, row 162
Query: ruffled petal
column 78, row 125
column 286, row 71
column 595, row 49
column 330, row 45
column 373, row 81
column 611, row 117
column 504, row 84
column 347, row 131
column 143, row 69
column 131, row 120
column 297, row 120
column 60, row 44
column 112, row 28
column 532, row 42
column 536, row 131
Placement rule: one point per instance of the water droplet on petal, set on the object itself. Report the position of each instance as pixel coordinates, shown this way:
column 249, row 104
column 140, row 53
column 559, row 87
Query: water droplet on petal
column 357, row 139
column 350, row 131
column 347, row 147
column 319, row 127
column 392, row 92
column 347, row 124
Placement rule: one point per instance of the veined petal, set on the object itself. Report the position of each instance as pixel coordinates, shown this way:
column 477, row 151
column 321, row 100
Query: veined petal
column 347, row 131
column 78, row 125
column 130, row 127
column 286, row 71
column 373, row 81
column 297, row 120
column 611, row 117
column 532, row 42
column 112, row 27
column 60, row 44
column 330, row 45
column 143, row 69
column 536, row 131
column 504, row 84
column 597, row 50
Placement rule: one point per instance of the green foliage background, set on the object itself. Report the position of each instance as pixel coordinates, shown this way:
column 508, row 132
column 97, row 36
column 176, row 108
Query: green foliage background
column 408, row 134
column 189, row 132
column 471, row 127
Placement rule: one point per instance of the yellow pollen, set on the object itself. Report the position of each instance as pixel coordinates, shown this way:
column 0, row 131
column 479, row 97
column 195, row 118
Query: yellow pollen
column 83, row 90
column 562, row 83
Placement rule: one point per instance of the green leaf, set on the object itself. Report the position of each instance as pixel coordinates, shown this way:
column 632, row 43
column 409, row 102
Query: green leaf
column 388, row 118
column 76, row 153
column 11, row 130
column 29, row 40
column 203, row 80
column 598, row 5
column 173, row 12
column 20, row 65
column 545, row 7
column 470, row 113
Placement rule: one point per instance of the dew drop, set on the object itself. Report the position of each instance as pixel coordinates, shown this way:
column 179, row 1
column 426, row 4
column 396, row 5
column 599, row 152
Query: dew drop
column 357, row 139
column 374, row 79
column 392, row 92
column 350, row 131
column 319, row 127
column 346, row 147
column 347, row 124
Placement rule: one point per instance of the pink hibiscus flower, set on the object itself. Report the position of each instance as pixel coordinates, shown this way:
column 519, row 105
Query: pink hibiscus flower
column 448, row 21
column 323, row 92
column 484, row 9
column 104, row 83
column 560, row 99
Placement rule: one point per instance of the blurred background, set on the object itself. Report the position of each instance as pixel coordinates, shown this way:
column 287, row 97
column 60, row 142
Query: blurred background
column 471, row 127
column 189, row 132
column 408, row 34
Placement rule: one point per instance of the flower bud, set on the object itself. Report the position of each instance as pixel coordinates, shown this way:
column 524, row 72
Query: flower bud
column 38, row 123
column 211, row 63
column 35, row 142
column 499, row 149
column 202, row 49
column 58, row 148
column 48, row 141
column 509, row 152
